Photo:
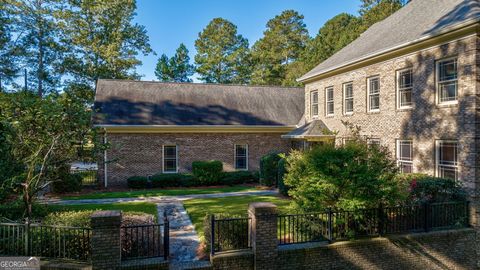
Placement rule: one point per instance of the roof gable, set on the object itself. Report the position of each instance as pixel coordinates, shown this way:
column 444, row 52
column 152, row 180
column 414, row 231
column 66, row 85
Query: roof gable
column 120, row 102
column 418, row 20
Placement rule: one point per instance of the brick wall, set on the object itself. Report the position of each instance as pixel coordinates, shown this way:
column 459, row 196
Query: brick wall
column 141, row 154
column 426, row 121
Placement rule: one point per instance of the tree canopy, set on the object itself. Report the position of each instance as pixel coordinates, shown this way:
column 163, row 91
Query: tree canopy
column 281, row 45
column 222, row 54
column 175, row 69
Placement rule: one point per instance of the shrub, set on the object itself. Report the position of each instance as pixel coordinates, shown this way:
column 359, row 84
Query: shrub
column 172, row 180
column 347, row 177
column 69, row 183
column 426, row 188
column 282, row 188
column 137, row 182
column 69, row 218
column 207, row 172
column 15, row 210
column 269, row 169
column 239, row 177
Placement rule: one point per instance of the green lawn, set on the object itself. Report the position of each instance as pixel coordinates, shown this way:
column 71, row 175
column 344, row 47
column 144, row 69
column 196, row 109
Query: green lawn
column 198, row 208
column 145, row 207
column 159, row 192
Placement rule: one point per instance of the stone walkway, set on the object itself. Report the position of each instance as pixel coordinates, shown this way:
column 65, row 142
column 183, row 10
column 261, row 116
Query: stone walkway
column 160, row 199
column 184, row 240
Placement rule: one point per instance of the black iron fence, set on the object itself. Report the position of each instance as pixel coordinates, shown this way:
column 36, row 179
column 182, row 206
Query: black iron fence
column 89, row 176
column 341, row 225
column 17, row 239
column 145, row 241
column 229, row 233
column 234, row 233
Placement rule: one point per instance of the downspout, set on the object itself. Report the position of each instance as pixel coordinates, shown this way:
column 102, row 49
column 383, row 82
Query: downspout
column 105, row 173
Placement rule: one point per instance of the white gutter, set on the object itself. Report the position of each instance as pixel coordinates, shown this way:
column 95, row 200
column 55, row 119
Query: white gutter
column 394, row 48
column 105, row 171
column 194, row 126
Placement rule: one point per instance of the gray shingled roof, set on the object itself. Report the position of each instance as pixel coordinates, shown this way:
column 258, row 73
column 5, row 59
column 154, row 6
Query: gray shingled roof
column 312, row 129
column 418, row 20
column 121, row 102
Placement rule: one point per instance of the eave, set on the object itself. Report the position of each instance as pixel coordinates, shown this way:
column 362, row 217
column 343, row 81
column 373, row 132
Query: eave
column 448, row 34
column 195, row 129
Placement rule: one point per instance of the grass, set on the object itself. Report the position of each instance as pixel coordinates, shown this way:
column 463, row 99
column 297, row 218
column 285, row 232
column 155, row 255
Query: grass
column 145, row 207
column 161, row 192
column 198, row 208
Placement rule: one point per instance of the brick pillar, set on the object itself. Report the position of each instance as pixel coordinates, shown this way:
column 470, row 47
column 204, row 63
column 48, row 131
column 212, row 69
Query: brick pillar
column 264, row 235
column 106, row 249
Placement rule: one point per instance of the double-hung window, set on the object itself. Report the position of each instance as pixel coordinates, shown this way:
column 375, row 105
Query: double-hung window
column 404, row 88
column 314, row 103
column 405, row 156
column 447, row 159
column 447, row 81
column 348, row 98
column 170, row 159
column 373, row 142
column 241, row 156
column 329, row 105
column 373, row 90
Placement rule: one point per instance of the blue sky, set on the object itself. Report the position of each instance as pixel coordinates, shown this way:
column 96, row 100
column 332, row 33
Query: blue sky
column 171, row 22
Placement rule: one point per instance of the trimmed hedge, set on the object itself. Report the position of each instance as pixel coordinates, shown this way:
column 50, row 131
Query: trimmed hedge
column 173, row 180
column 137, row 182
column 208, row 172
column 282, row 170
column 240, row 177
column 269, row 169
column 69, row 183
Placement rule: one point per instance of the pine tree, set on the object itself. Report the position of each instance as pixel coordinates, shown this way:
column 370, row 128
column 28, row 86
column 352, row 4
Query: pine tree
column 8, row 51
column 281, row 46
column 105, row 42
column 38, row 37
column 222, row 54
column 175, row 69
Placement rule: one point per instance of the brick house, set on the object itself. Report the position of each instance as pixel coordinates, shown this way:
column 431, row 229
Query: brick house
column 154, row 127
column 412, row 83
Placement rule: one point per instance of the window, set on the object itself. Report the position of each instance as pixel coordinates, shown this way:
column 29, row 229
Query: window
column 373, row 142
column 447, row 84
column 170, row 159
column 405, row 156
column 348, row 98
column 241, row 156
column 329, row 109
column 404, row 88
column 447, row 159
column 314, row 103
column 373, row 99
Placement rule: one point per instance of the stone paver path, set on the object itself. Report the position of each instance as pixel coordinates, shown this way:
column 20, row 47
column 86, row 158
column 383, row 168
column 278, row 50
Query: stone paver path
column 159, row 199
column 184, row 240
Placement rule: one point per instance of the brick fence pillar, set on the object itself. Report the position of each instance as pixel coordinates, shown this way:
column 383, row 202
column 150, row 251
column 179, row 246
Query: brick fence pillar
column 264, row 235
column 106, row 249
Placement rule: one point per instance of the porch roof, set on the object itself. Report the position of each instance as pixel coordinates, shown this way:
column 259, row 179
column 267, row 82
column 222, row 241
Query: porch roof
column 310, row 130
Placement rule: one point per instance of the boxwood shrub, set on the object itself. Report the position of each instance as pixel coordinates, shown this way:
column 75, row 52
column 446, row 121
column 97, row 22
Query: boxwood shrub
column 137, row 182
column 282, row 187
column 269, row 169
column 172, row 180
column 208, row 172
column 239, row 177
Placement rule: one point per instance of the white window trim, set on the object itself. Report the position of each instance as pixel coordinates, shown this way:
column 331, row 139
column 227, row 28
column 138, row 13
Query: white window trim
column 374, row 141
column 368, row 94
column 437, row 157
column 311, row 104
column 345, row 99
column 399, row 104
column 327, row 101
column 235, row 156
column 437, row 82
column 163, row 158
column 399, row 161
